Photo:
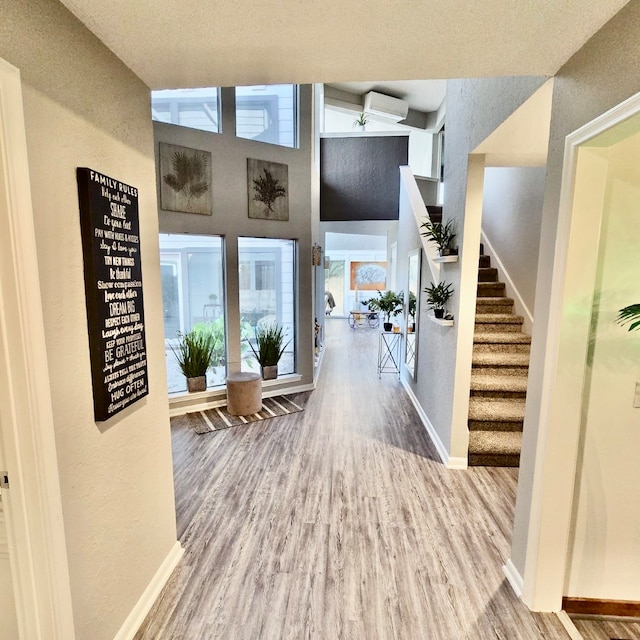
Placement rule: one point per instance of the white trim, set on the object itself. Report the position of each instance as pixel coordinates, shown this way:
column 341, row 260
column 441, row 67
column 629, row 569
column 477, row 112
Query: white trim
column 521, row 306
column 552, row 493
column 150, row 594
column 447, row 460
column 514, row 578
column 33, row 504
column 568, row 625
column 410, row 197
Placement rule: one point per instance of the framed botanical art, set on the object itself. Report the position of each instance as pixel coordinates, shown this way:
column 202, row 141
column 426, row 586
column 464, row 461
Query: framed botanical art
column 185, row 179
column 268, row 190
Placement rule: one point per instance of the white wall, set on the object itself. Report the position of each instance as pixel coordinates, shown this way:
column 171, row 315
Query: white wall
column 604, row 560
column 511, row 218
column 84, row 108
column 8, row 620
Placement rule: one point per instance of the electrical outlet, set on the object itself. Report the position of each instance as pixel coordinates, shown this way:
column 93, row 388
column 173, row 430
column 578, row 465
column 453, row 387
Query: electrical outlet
column 636, row 397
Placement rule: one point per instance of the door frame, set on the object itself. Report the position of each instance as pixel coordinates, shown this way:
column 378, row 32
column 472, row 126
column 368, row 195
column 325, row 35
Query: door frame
column 33, row 504
column 561, row 403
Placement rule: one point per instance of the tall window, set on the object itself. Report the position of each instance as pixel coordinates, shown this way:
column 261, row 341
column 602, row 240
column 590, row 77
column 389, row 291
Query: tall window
column 267, row 284
column 267, row 113
column 195, row 108
column 193, row 299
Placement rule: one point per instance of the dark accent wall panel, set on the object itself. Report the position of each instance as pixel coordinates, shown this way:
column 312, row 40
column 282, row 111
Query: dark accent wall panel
column 359, row 177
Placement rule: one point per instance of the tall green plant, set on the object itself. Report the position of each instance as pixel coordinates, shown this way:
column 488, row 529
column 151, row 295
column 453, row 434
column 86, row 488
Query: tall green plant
column 270, row 344
column 194, row 353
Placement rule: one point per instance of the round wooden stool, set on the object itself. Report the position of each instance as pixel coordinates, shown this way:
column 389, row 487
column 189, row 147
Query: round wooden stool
column 244, row 393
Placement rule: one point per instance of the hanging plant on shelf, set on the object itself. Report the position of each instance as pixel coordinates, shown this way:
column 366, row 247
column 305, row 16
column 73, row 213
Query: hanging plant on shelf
column 437, row 297
column 442, row 234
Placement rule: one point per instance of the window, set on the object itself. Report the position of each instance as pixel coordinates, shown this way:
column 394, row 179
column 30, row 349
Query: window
column 267, row 286
column 267, row 113
column 194, row 108
column 193, row 298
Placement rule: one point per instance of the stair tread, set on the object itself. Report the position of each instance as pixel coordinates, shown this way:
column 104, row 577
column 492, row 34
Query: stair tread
column 495, row 442
column 490, row 285
column 495, row 300
column 496, row 409
column 501, row 358
column 483, row 382
column 497, row 338
column 498, row 318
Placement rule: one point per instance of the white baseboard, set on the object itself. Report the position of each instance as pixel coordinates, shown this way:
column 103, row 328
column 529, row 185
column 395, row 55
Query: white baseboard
column 150, row 594
column 448, row 461
column 568, row 625
column 520, row 303
column 514, row 578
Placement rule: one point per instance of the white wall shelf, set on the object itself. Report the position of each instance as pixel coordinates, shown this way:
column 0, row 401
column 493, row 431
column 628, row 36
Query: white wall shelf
column 441, row 321
column 446, row 258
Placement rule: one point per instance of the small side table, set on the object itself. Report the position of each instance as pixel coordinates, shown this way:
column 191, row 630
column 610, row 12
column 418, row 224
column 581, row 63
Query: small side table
column 389, row 352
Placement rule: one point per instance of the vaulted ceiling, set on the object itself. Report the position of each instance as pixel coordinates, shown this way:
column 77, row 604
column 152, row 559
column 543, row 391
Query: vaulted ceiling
column 188, row 43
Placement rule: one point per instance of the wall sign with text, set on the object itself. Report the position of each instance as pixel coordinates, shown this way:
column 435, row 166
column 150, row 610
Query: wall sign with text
column 113, row 287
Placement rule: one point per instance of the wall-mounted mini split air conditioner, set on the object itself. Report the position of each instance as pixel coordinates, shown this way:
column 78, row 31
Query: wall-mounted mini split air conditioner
column 381, row 106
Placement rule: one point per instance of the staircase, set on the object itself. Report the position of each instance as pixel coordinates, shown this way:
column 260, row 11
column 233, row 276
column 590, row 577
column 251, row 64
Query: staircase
column 500, row 367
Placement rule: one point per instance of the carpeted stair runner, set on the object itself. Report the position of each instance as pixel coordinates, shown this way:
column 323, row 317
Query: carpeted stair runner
column 500, row 367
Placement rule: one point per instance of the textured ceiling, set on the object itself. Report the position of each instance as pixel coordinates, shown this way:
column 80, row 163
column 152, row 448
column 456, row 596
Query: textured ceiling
column 188, row 43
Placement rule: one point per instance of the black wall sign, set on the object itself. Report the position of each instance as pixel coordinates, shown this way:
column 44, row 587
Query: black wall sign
column 113, row 286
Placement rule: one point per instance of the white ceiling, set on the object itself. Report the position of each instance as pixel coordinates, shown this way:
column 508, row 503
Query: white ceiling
column 193, row 43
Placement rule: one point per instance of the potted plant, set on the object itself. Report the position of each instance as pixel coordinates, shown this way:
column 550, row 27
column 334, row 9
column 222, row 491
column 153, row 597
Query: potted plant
column 270, row 347
column 215, row 330
column 437, row 297
column 194, row 353
column 442, row 234
column 388, row 303
column 361, row 121
column 411, row 312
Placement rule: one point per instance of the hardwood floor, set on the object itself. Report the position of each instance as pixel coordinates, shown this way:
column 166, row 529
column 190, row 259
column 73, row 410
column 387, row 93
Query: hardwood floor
column 340, row 522
column 599, row 628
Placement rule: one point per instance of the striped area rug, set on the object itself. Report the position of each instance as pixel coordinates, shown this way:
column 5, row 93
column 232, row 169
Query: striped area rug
column 219, row 418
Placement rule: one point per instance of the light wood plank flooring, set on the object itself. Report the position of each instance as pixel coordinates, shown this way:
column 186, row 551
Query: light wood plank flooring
column 340, row 523
column 599, row 628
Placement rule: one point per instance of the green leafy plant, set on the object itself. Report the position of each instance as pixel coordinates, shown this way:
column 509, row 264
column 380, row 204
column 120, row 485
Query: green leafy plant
column 189, row 175
column 361, row 120
column 438, row 294
column 268, row 189
column 630, row 314
column 440, row 233
column 194, row 352
column 389, row 303
column 270, row 344
column 215, row 331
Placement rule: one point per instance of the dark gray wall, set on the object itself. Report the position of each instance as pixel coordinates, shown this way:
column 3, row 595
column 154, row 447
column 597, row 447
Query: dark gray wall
column 360, row 178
